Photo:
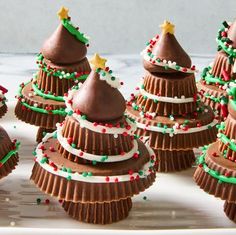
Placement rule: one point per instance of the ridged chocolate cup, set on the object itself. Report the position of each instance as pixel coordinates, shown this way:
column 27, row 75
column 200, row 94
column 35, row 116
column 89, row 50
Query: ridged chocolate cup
column 212, row 91
column 78, row 191
column 230, row 210
column 58, row 86
column 47, row 121
column 9, row 166
column 171, row 161
column 3, row 110
column 168, row 86
column 230, row 132
column 41, row 133
column 185, row 141
column 209, row 184
column 99, row 213
column 92, row 142
column 221, row 63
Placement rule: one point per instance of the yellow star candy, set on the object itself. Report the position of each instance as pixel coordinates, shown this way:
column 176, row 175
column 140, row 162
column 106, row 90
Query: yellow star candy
column 63, row 13
column 167, row 27
column 98, row 62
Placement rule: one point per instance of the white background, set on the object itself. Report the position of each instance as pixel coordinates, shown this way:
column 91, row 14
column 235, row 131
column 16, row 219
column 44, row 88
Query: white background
column 115, row 26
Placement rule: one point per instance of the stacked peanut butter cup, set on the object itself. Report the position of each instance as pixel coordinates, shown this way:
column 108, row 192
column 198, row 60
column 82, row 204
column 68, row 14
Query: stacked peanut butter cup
column 216, row 172
column 217, row 76
column 167, row 108
column 3, row 106
column 93, row 161
column 8, row 148
column 62, row 64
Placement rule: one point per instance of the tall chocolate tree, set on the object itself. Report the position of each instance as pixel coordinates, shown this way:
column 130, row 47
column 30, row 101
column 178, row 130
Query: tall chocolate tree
column 62, row 64
column 167, row 109
column 217, row 76
column 98, row 163
column 216, row 172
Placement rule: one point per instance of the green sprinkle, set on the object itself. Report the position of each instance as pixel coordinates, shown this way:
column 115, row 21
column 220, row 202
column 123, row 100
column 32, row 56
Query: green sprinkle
column 64, row 169
column 70, row 113
column 140, row 172
column 84, row 117
column 38, row 201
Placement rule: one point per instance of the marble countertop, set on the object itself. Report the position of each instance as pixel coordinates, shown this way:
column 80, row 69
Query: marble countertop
column 174, row 205
column 15, row 69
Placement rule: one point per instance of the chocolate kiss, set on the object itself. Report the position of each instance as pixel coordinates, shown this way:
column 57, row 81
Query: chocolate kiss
column 98, row 100
column 168, row 48
column 63, row 48
column 232, row 34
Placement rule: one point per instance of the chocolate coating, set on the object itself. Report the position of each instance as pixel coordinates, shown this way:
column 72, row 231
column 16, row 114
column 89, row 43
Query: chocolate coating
column 168, row 48
column 98, row 100
column 5, row 143
column 232, row 34
column 63, row 48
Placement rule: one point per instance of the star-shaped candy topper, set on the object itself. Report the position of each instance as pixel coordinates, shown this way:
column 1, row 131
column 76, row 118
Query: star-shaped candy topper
column 63, row 13
column 98, row 62
column 167, row 27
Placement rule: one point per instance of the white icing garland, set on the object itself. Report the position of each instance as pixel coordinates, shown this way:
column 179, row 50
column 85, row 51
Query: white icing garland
column 93, row 157
column 175, row 99
column 98, row 128
column 176, row 129
column 93, row 179
column 111, row 80
column 163, row 63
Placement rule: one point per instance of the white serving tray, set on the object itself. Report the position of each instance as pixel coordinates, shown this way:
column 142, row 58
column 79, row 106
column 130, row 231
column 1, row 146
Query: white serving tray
column 174, row 205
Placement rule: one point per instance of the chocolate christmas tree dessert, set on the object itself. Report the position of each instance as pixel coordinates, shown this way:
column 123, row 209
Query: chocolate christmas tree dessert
column 167, row 109
column 8, row 153
column 94, row 162
column 216, row 77
column 62, row 64
column 216, row 172
column 3, row 106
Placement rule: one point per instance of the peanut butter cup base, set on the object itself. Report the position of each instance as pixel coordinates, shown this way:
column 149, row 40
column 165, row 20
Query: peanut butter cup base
column 89, row 192
column 230, row 210
column 99, row 213
column 171, row 161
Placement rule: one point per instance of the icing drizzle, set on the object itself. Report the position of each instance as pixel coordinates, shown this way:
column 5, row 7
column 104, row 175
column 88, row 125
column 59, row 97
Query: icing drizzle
column 92, row 157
